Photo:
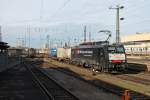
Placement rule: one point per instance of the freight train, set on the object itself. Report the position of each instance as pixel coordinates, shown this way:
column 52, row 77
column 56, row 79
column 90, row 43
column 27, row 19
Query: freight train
column 22, row 52
column 53, row 52
column 31, row 52
column 61, row 54
column 99, row 56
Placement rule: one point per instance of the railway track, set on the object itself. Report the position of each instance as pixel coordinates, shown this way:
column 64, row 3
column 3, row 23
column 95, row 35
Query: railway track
column 134, row 76
column 124, row 76
column 109, row 87
column 49, row 85
column 145, row 75
column 17, row 83
column 134, row 79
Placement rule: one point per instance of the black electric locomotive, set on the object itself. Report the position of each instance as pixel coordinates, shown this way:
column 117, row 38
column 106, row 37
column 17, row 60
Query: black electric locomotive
column 100, row 56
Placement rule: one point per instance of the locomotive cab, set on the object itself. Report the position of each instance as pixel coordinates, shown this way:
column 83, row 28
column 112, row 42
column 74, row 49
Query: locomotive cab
column 116, row 57
column 111, row 58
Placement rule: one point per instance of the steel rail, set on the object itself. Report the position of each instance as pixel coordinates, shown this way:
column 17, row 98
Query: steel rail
column 46, row 74
column 50, row 95
column 40, row 84
column 110, row 87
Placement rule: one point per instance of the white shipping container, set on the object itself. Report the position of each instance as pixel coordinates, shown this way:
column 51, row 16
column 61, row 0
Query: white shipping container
column 60, row 52
column 68, row 53
column 63, row 53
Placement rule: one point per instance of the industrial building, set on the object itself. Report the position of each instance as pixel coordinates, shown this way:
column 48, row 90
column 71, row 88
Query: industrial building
column 137, row 44
column 3, row 55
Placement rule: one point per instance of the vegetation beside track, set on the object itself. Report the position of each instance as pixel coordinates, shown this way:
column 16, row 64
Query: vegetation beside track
column 86, row 74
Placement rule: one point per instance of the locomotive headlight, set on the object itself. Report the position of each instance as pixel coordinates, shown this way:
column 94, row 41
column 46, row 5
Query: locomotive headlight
column 123, row 60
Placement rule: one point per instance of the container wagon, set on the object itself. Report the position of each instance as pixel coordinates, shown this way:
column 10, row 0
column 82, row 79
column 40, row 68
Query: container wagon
column 63, row 54
column 53, row 53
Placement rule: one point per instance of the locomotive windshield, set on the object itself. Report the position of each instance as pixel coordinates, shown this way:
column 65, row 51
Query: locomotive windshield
column 120, row 50
column 116, row 50
column 111, row 49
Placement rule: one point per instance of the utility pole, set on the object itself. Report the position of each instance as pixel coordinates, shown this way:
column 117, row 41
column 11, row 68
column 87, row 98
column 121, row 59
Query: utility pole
column 89, row 36
column 29, row 34
column 0, row 34
column 118, row 7
column 47, row 38
column 84, row 33
column 25, row 37
column 68, row 42
column 20, row 42
column 28, row 31
column 75, row 41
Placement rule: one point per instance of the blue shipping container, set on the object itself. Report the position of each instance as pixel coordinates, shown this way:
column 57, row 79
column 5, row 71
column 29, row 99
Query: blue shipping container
column 53, row 52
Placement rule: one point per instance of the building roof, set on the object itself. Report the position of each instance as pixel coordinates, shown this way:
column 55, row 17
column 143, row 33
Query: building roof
column 3, row 45
column 95, row 43
column 143, row 37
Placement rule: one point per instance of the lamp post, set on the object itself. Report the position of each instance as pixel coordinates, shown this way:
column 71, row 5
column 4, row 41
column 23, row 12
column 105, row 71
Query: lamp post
column 118, row 7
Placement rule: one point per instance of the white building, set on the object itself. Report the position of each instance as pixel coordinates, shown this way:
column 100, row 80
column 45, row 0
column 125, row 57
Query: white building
column 137, row 44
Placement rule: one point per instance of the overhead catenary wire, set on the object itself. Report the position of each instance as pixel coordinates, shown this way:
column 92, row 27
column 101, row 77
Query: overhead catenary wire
column 101, row 11
column 134, row 7
column 59, row 9
column 134, row 12
column 41, row 9
column 42, row 2
column 147, row 20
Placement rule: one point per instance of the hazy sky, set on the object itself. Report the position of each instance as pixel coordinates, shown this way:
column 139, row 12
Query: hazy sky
column 63, row 20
